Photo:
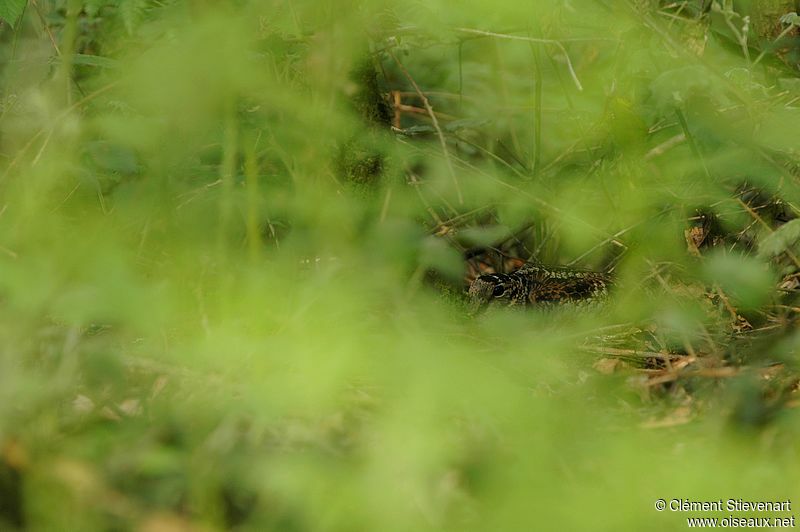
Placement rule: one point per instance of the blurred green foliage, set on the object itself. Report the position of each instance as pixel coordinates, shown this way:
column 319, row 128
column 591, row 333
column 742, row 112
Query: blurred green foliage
column 220, row 222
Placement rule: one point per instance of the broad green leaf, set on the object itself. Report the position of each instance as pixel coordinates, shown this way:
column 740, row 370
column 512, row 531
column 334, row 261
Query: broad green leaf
column 747, row 281
column 10, row 10
column 418, row 130
column 435, row 254
column 781, row 240
column 776, row 129
column 466, row 123
column 485, row 236
column 95, row 61
column 673, row 87
column 92, row 60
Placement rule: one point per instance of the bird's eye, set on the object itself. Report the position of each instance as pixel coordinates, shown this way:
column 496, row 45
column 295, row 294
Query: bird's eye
column 498, row 291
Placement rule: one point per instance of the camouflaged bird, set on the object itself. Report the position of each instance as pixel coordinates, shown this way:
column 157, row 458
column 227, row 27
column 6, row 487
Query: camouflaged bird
column 541, row 286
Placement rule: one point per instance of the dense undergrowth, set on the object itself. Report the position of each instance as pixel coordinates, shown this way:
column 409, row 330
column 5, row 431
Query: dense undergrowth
column 235, row 238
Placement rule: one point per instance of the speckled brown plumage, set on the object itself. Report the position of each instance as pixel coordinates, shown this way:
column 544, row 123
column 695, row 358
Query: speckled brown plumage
column 537, row 285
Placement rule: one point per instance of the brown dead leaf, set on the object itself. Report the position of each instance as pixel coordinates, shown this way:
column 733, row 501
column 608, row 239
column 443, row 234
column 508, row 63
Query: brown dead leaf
column 607, row 366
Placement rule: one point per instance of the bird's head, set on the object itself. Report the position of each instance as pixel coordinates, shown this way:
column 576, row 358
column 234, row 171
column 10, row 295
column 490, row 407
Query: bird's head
column 487, row 289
